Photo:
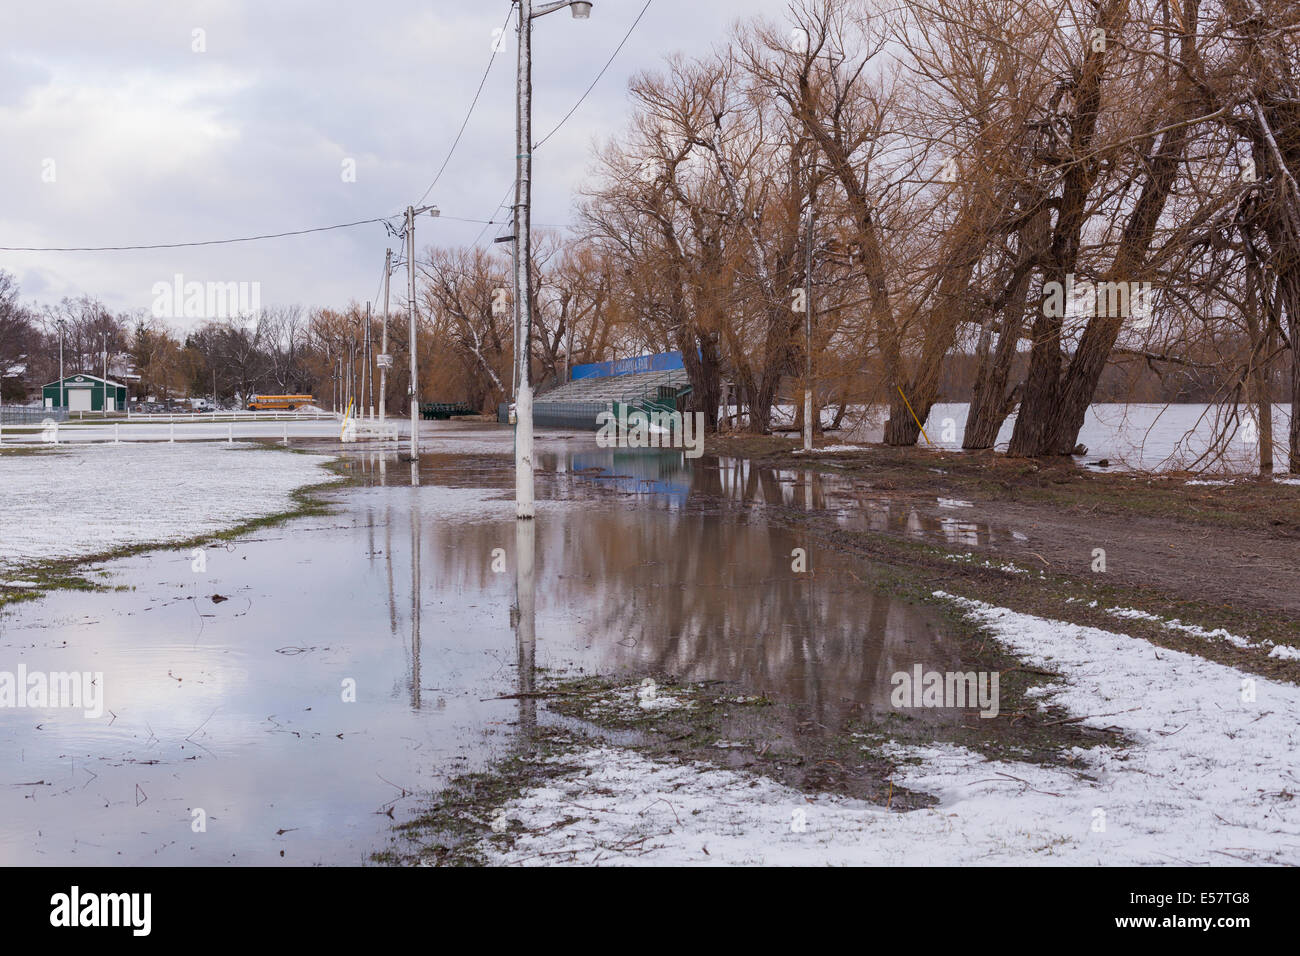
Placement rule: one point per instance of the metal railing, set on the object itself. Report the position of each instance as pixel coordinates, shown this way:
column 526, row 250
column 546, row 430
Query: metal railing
column 561, row 414
column 30, row 414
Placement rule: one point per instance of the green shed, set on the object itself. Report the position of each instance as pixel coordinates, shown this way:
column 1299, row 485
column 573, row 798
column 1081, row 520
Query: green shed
column 85, row 393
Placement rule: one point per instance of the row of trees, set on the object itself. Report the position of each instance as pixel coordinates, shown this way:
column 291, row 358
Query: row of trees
column 1003, row 201
column 967, row 164
column 277, row 350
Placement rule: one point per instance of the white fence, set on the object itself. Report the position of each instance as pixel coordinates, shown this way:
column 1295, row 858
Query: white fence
column 235, row 416
column 165, row 428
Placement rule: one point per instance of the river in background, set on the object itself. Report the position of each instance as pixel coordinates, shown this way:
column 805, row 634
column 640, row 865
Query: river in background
column 1145, row 437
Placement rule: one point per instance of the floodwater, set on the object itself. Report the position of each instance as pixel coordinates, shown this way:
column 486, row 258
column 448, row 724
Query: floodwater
column 1149, row 437
column 312, row 683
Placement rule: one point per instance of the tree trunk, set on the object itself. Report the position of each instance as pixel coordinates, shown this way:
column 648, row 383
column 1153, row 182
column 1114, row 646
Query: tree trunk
column 990, row 403
column 1291, row 285
column 1032, row 433
column 901, row 429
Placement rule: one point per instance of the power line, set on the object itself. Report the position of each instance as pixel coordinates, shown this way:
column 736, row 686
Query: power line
column 490, row 222
column 468, row 113
column 361, row 222
column 223, row 242
column 205, row 242
column 617, row 49
column 383, row 274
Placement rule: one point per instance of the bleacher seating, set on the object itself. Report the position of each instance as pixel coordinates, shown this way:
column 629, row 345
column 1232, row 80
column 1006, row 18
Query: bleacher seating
column 617, row 388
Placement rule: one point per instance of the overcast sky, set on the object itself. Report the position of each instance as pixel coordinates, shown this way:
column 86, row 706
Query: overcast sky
column 147, row 141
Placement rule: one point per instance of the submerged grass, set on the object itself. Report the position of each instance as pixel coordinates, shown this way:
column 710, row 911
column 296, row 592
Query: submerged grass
column 724, row 725
column 56, row 574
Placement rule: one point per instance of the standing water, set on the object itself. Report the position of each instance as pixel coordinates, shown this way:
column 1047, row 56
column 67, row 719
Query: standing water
column 316, row 681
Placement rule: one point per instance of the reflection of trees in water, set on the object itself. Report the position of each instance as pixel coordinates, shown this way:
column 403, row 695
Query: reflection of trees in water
column 706, row 596
column 738, row 480
column 703, row 592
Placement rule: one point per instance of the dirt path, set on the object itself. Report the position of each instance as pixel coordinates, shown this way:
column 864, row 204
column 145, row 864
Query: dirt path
column 1213, row 555
column 1184, row 560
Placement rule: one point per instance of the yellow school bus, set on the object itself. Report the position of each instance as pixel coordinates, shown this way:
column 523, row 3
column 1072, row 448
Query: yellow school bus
column 260, row 403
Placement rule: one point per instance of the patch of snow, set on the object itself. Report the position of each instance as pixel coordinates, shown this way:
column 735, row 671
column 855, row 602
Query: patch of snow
column 85, row 499
column 1210, row 778
column 625, row 701
column 1218, row 634
column 969, row 558
column 829, row 450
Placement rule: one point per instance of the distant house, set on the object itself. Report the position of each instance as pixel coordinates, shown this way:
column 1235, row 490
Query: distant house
column 85, row 393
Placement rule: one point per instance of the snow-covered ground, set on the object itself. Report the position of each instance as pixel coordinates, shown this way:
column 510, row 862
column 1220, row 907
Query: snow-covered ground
column 829, row 450
column 183, row 428
column 1212, row 778
column 86, row 499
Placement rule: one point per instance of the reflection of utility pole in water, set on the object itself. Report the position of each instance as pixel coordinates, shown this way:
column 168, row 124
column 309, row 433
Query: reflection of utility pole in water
column 524, row 622
column 415, row 602
column 370, row 535
column 804, row 666
column 388, row 560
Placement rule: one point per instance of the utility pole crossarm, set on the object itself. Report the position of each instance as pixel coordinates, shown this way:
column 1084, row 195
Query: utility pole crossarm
column 546, row 8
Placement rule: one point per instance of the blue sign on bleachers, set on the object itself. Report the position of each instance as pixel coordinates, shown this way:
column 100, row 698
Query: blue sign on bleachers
column 664, row 362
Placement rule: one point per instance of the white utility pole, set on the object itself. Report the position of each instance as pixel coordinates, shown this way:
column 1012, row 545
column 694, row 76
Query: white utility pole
column 383, row 349
column 524, row 507
column 411, row 213
column 413, row 391
column 808, row 319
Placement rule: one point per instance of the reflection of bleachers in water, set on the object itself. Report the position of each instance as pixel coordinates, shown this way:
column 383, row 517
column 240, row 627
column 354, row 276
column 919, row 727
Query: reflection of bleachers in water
column 644, row 471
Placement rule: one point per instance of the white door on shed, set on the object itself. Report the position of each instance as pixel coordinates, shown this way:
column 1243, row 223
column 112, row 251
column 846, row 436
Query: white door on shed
column 79, row 399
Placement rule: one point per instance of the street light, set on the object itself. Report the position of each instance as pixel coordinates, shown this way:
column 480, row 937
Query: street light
column 808, row 313
column 385, row 360
column 62, row 391
column 523, row 246
column 411, row 213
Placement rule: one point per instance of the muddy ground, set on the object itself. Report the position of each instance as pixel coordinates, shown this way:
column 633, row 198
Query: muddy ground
column 1212, row 555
